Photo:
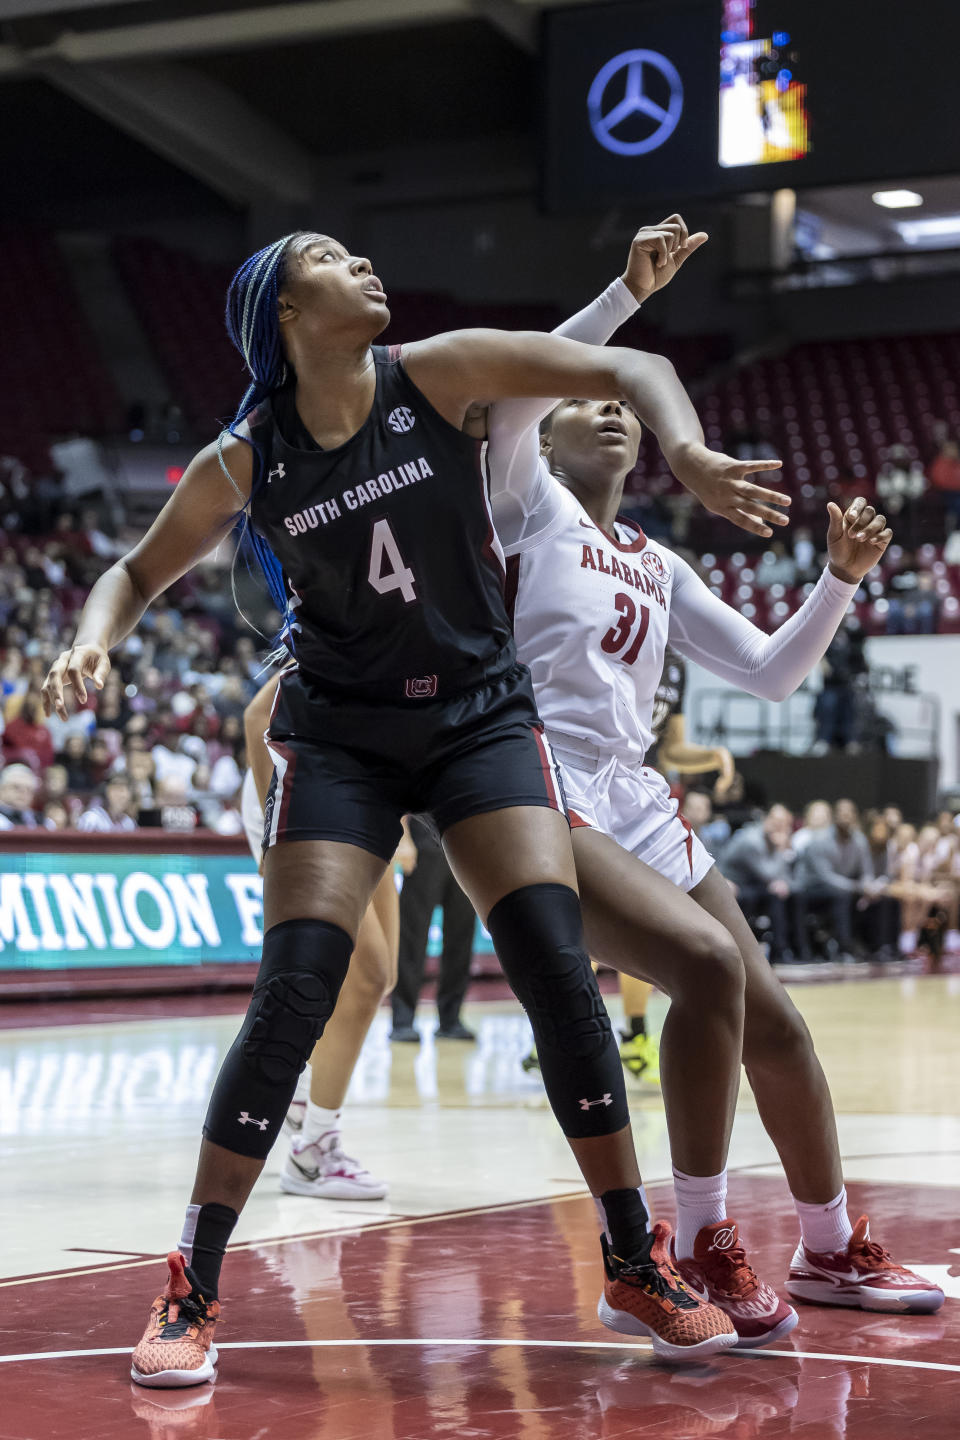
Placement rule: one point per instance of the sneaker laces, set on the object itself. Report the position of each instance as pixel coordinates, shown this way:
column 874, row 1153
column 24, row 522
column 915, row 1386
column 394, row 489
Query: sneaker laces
column 660, row 1280
column 739, row 1278
column 873, row 1255
column 191, row 1314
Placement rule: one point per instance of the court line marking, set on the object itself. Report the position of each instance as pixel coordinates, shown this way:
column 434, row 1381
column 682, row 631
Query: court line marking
column 300, row 1235
column 344, row 1230
column 489, row 1344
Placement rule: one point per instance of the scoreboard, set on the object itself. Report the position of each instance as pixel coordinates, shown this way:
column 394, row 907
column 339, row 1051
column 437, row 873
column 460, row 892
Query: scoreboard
column 673, row 99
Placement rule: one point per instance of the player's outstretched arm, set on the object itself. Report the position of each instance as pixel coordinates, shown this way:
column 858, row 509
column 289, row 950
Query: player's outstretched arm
column 704, row 629
column 521, row 494
column 657, row 253
column 459, row 367
column 199, row 514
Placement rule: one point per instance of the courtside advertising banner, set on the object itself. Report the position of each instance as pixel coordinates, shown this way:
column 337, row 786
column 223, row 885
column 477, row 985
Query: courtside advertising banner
column 63, row 911
column 71, row 911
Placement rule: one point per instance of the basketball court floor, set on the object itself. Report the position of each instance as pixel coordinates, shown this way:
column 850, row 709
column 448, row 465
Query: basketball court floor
column 464, row 1304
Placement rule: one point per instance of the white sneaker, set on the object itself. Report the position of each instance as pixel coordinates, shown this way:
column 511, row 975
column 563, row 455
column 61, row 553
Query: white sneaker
column 320, row 1168
column 293, row 1120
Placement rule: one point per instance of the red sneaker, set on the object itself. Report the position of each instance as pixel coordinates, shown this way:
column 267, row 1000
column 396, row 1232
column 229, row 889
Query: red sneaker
column 645, row 1296
column 177, row 1347
column 863, row 1275
column 720, row 1272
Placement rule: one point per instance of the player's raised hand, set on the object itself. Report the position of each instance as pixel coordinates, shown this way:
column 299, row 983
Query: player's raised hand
column 720, row 484
column 855, row 539
column 73, row 668
column 656, row 254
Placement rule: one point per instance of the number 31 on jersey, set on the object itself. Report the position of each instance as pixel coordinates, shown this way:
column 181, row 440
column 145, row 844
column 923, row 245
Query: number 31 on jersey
column 387, row 570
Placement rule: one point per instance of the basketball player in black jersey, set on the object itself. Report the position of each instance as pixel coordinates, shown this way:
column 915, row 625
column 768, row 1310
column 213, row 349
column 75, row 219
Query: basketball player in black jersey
column 367, row 507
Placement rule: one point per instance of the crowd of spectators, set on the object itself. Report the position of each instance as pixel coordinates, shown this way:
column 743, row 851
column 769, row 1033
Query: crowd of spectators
column 834, row 885
column 162, row 743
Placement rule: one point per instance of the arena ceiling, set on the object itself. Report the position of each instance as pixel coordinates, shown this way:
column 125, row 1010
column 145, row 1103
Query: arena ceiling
column 116, row 114
column 226, row 104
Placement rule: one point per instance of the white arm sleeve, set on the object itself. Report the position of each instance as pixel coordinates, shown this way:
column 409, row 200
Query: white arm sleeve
column 714, row 635
column 521, row 486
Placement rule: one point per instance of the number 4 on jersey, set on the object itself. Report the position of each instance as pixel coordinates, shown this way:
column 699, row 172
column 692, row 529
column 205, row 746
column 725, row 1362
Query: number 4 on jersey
column 387, row 570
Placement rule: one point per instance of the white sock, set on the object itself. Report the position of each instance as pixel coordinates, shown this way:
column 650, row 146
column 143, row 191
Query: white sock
column 701, row 1200
column 317, row 1122
column 825, row 1229
column 302, row 1093
column 189, row 1231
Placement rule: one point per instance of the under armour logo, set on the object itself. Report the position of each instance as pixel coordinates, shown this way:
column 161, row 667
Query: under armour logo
column 589, row 1104
column 244, row 1119
column 277, row 470
column 724, row 1238
column 401, row 420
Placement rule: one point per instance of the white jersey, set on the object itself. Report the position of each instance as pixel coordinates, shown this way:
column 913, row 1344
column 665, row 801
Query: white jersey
column 593, row 613
column 592, row 619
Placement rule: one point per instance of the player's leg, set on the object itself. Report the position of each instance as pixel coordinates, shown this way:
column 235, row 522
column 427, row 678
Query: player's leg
column 315, row 895
column 638, row 920
column 794, row 1102
column 316, row 1164
column 386, row 903
column 638, row 1049
column 316, row 890
column 517, row 867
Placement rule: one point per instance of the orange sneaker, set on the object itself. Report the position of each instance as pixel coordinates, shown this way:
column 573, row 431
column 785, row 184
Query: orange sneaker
column 177, row 1346
column 646, row 1296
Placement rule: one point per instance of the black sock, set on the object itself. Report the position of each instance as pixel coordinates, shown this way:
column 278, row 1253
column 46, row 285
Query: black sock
column 637, row 1024
column 626, row 1222
column 214, row 1227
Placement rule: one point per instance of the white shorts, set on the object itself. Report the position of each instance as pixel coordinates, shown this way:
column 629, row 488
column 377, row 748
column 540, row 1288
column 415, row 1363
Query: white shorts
column 632, row 805
column 252, row 816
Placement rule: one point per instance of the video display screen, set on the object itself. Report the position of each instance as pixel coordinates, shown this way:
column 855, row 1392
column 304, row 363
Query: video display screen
column 763, row 97
column 669, row 100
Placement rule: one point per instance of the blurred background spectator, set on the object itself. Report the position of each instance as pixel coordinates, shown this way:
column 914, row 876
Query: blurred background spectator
column 758, row 862
column 843, row 666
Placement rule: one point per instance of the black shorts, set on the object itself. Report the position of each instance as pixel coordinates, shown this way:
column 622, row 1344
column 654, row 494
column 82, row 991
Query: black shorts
column 348, row 770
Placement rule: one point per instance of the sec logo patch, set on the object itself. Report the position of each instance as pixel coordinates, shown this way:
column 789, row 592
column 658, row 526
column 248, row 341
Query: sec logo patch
column 654, row 566
column 401, row 420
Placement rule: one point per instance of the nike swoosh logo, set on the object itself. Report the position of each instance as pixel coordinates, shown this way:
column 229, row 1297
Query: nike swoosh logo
column 307, row 1174
column 586, row 526
column 845, row 1277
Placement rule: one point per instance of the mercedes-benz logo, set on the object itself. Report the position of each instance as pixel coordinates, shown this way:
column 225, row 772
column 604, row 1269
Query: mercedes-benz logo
column 636, row 101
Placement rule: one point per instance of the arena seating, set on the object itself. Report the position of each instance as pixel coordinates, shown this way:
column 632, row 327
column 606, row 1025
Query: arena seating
column 733, row 578
column 179, row 299
column 55, row 381
column 830, row 409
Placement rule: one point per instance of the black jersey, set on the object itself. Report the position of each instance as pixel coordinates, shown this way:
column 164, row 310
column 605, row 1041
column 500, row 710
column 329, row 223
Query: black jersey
column 393, row 570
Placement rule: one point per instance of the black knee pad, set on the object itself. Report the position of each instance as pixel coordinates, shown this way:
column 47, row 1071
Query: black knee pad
column 538, row 936
column 303, row 967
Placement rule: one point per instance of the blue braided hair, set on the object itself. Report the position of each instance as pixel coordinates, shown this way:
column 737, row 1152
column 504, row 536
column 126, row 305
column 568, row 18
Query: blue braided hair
column 254, row 327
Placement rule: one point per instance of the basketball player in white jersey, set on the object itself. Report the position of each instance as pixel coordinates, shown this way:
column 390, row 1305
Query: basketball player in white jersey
column 595, row 605
column 316, row 1164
